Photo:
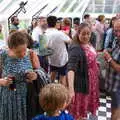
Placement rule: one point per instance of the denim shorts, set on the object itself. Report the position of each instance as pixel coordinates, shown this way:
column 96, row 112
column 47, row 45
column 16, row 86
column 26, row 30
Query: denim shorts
column 115, row 99
column 61, row 70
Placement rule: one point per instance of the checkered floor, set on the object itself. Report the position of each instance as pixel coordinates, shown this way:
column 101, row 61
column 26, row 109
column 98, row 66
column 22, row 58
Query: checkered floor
column 104, row 112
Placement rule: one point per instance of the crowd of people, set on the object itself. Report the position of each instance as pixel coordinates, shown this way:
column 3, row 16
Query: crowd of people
column 68, row 54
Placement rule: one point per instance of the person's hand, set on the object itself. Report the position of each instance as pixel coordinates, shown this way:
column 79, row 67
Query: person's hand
column 30, row 76
column 107, row 56
column 5, row 81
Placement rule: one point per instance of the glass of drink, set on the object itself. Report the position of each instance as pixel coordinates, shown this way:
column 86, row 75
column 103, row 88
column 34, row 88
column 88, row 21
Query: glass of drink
column 13, row 85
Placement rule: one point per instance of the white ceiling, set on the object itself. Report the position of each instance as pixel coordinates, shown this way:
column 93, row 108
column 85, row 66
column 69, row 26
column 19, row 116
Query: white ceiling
column 64, row 7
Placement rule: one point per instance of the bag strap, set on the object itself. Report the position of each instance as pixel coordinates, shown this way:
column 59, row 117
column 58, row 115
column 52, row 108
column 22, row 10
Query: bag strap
column 34, row 59
column 3, row 55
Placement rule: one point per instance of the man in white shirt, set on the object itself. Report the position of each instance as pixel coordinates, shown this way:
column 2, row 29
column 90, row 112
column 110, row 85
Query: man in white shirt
column 38, row 36
column 56, row 41
column 40, row 29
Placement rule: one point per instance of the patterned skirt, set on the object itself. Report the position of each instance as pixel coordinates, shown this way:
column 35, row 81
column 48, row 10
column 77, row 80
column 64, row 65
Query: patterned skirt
column 13, row 103
column 82, row 103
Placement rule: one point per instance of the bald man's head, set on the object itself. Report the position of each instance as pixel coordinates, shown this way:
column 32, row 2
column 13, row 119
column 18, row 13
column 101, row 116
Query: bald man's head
column 117, row 23
column 117, row 28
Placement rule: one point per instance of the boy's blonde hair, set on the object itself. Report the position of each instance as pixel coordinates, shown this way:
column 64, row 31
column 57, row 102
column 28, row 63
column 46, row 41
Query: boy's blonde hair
column 53, row 97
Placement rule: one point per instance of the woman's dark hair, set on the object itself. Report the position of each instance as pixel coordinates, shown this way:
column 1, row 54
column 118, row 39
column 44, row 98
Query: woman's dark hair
column 51, row 20
column 111, row 25
column 17, row 38
column 76, row 37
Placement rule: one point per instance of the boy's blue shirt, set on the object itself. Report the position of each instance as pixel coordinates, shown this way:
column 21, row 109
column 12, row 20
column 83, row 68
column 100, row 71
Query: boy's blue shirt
column 63, row 116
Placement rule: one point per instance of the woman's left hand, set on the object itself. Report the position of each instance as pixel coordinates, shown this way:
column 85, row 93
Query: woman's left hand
column 31, row 76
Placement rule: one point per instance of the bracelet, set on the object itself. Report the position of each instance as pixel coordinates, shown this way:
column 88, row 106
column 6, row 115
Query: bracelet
column 109, row 60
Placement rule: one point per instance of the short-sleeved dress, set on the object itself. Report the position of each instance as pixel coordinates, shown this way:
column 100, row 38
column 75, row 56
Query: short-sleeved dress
column 87, row 103
column 13, row 103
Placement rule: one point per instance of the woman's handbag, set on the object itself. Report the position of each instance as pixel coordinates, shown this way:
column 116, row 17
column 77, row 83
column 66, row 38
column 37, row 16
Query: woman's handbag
column 33, row 106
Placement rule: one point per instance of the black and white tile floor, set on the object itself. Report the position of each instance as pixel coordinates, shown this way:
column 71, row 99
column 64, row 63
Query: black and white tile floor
column 104, row 111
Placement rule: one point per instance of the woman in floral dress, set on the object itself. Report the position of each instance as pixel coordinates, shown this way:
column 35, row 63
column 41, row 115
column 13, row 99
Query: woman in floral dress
column 15, row 61
column 83, row 75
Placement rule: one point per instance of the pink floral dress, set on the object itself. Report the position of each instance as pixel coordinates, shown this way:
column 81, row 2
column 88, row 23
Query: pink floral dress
column 84, row 103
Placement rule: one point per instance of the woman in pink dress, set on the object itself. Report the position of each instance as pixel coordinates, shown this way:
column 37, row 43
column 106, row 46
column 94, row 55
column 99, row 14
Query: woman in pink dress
column 83, row 75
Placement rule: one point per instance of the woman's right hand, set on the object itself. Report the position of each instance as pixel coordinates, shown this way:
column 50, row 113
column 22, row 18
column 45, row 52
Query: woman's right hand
column 5, row 81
